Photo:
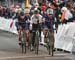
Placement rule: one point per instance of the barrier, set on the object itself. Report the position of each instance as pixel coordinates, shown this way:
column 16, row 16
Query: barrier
column 8, row 25
column 65, row 38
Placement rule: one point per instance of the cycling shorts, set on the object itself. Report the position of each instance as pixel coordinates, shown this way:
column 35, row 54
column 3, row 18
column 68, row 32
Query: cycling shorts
column 22, row 25
column 48, row 26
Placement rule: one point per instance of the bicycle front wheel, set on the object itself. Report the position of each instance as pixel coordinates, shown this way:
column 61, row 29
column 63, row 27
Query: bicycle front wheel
column 37, row 42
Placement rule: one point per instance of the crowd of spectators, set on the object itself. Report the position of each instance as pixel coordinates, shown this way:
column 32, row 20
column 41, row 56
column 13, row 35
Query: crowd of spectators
column 56, row 5
column 9, row 12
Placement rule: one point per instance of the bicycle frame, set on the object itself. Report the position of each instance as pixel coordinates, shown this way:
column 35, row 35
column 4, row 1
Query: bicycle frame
column 23, row 41
column 37, row 39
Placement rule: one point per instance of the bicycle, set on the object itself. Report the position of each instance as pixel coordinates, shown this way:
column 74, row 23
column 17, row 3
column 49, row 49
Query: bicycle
column 23, row 42
column 49, row 44
column 26, row 39
column 37, row 38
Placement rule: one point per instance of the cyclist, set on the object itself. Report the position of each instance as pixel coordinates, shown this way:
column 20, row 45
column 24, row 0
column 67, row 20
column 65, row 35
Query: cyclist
column 28, row 19
column 49, row 23
column 22, row 24
column 34, row 18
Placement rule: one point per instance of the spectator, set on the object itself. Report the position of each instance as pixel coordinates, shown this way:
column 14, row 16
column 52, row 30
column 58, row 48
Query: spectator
column 43, row 8
column 66, row 15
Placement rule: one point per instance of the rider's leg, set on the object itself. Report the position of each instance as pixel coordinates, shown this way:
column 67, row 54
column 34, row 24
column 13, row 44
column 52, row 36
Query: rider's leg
column 19, row 36
column 19, row 31
column 28, row 37
column 27, row 31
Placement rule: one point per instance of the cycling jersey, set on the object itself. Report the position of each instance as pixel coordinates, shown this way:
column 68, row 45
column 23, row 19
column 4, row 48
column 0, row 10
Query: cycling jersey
column 36, row 26
column 23, row 22
column 35, row 18
column 49, row 23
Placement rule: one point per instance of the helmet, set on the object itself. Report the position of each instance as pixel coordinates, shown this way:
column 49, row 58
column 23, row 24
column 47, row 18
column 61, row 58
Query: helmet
column 49, row 11
column 36, row 10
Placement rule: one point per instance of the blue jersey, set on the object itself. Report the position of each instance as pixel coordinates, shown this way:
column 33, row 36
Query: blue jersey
column 49, row 22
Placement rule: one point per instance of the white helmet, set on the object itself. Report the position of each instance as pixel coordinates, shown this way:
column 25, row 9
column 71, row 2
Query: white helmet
column 49, row 11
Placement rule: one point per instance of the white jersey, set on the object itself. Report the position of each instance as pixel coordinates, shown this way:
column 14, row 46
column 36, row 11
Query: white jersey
column 34, row 19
